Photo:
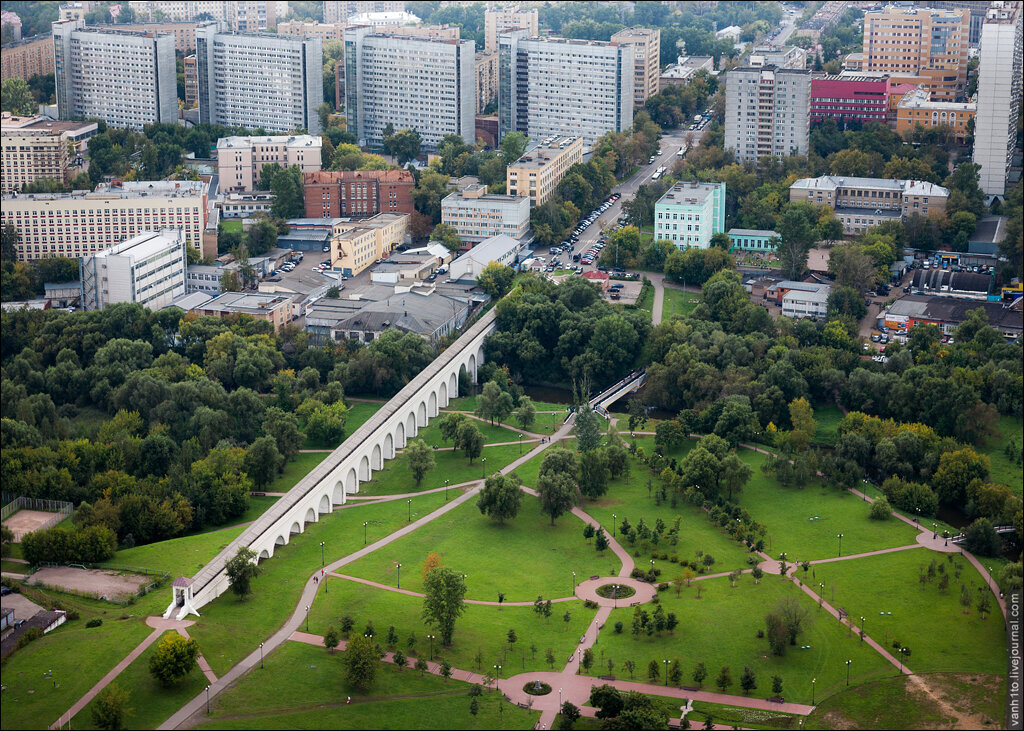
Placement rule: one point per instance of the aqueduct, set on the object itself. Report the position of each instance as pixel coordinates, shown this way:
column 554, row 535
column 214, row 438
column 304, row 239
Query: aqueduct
column 341, row 473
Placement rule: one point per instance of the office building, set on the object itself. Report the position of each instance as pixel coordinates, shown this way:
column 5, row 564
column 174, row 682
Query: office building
column 477, row 215
column 259, row 80
column 999, row 95
column 339, row 11
column 920, row 45
column 361, row 243
column 684, row 69
column 126, row 78
column 502, row 20
column 191, row 82
column 537, row 173
column 35, row 148
column 862, row 203
column 148, row 269
column 766, row 112
column 689, row 214
column 783, row 57
column 425, row 84
column 86, row 222
column 27, row 58
column 849, row 99
column 273, row 308
column 810, row 301
column 240, row 160
column 977, row 9
column 646, row 43
column 357, row 193
column 917, row 108
column 560, row 86
column 315, row 29
column 746, row 239
column 245, row 205
column 486, row 79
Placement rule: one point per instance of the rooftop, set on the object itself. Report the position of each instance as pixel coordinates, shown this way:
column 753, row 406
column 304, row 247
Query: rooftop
column 955, row 309
column 246, row 302
column 145, row 244
column 753, row 232
column 142, row 189
column 545, row 152
column 833, row 182
column 288, row 140
column 922, row 99
column 807, row 295
column 13, row 122
column 682, row 194
column 489, row 250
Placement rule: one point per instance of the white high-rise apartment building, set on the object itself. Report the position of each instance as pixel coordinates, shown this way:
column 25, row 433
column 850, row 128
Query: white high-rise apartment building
column 425, row 84
column 148, row 269
column 126, row 78
column 501, row 20
column 999, row 94
column 766, row 112
column 339, row 11
column 82, row 223
column 259, row 80
column 559, row 86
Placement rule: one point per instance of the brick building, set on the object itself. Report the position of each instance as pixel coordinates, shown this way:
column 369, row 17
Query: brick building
column 357, row 193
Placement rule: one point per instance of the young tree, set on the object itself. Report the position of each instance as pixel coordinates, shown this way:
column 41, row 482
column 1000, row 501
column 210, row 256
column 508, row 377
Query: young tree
column 496, row 279
column 549, row 657
column 653, row 671
column 446, row 235
column 748, row 681
column 421, row 665
column 361, row 660
column 493, row 403
column 391, row 638
column 570, row 714
column 241, row 570
column 630, row 667
column 501, row 497
column 470, row 439
column 444, row 601
column 526, row 414
column 588, row 427
column 588, row 659
column 724, row 679
column 111, row 708
column 776, row 685
column 175, row 657
column 601, row 541
column 400, row 659
column 474, row 706
column 637, row 414
column 446, row 670
column 432, row 562
column 700, row 672
column 331, row 639
column 421, row 459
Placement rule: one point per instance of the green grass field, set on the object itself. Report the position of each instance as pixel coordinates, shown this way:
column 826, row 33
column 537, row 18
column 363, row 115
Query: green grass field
column 495, row 434
column 258, row 505
column 523, row 558
column 359, row 413
column 1004, row 470
column 930, row 622
column 481, row 628
column 78, row 657
column 788, row 513
column 151, row 703
column 18, row 568
column 738, row 614
column 897, row 703
column 828, row 417
column 304, row 687
column 468, row 403
column 296, row 470
column 646, row 302
column 230, row 629
column 395, row 478
column 678, row 303
column 232, row 224
column 178, row 556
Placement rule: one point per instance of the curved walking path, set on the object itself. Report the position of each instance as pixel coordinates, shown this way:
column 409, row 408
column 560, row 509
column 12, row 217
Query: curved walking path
column 407, row 592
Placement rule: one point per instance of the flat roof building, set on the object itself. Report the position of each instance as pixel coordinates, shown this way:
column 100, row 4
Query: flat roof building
column 502, row 20
column 499, row 249
column 784, row 57
column 364, row 242
column 148, row 269
column 27, row 58
column 767, row 112
column 646, row 44
column 683, row 71
column 357, row 193
column 33, row 149
column 862, row 203
column 273, row 308
column 849, row 98
column 240, row 160
column 948, row 312
column 126, row 78
column 259, row 80
column 478, row 215
column 999, row 94
column 689, row 214
column 745, row 239
column 918, row 108
column 537, row 173
column 313, row 29
column 339, row 11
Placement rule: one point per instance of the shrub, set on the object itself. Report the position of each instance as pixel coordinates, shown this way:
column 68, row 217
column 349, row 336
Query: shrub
column 590, row 604
column 618, row 628
column 97, row 622
column 32, row 634
column 880, row 510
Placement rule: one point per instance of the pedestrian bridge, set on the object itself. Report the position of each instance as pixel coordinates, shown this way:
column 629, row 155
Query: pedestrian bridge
column 341, row 473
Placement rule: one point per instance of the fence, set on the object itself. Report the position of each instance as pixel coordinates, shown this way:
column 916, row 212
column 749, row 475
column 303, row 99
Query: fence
column 61, row 509
column 162, row 577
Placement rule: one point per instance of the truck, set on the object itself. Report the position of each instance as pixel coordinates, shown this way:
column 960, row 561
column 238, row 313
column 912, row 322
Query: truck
column 697, row 118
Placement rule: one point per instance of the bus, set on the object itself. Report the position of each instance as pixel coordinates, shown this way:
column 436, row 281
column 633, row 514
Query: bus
column 682, row 152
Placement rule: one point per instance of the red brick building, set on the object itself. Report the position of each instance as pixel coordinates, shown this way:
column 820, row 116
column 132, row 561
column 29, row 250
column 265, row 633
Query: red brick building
column 357, row 193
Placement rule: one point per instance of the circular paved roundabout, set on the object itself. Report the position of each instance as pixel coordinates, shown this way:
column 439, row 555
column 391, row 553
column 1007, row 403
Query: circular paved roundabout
column 642, row 591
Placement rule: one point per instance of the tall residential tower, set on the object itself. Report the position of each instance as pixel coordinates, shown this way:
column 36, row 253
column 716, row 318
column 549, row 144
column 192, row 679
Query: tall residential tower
column 999, row 92
column 766, row 112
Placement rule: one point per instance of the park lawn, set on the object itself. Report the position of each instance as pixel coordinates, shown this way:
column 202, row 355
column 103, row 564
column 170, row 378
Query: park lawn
column 1004, row 470
column 731, row 639
column 295, row 470
column 941, row 637
column 805, row 522
column 678, row 302
column 231, row 224
column 547, row 422
column 744, row 717
column 544, row 555
column 305, row 687
column 480, row 629
column 230, row 629
column 78, row 657
column 530, row 471
column 828, row 418
column 177, row 556
column 151, row 703
column 468, row 403
column 258, row 505
column 897, row 703
column 14, row 566
column 496, row 434
column 395, row 478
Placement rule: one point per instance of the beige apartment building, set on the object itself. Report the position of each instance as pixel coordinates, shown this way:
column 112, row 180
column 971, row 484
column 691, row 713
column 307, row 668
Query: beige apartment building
column 34, row 148
column 184, row 32
column 501, row 20
column 240, row 160
column 537, row 173
column 84, row 222
column 647, row 45
column 486, row 79
column 862, row 203
column 338, row 11
column 361, row 243
column 324, row 31
column 27, row 58
column 921, row 46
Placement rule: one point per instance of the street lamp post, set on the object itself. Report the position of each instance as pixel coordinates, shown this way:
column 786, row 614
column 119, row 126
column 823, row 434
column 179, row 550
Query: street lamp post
column 409, row 503
column 614, row 520
column 862, row 629
column 446, row 490
column 483, row 467
column 364, row 532
column 207, row 700
column 840, row 537
column 431, row 638
column 307, row 618
column 261, row 656
column 497, row 676
column 615, row 596
column 848, row 663
column 813, row 681
column 667, row 663
column 321, row 554
column 821, row 595
column 559, row 698
column 574, row 583
column 399, row 567
column 520, row 442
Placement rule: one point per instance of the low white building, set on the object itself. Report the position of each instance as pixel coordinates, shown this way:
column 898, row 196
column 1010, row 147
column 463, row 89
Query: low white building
column 499, row 249
column 148, row 269
column 478, row 215
column 806, row 303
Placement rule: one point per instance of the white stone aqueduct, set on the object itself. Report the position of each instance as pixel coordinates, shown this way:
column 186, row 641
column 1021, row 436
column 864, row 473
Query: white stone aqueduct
column 341, row 473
